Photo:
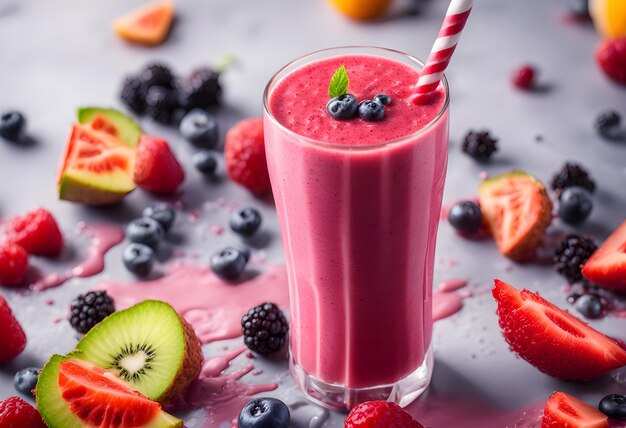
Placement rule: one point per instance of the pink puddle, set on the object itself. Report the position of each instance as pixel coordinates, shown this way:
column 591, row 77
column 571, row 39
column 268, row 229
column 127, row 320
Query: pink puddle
column 212, row 306
column 103, row 238
column 446, row 301
column 222, row 396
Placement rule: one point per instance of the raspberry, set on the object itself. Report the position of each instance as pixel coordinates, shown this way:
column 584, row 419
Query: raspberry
column 37, row 232
column 17, row 413
column 156, row 168
column 89, row 309
column 13, row 264
column 380, row 414
column 12, row 336
column 572, row 174
column 571, row 255
column 524, row 77
column 201, row 89
column 265, row 328
column 611, row 56
column 134, row 95
column 245, row 156
column 480, row 145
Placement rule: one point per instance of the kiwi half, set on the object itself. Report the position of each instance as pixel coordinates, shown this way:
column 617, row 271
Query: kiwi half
column 149, row 346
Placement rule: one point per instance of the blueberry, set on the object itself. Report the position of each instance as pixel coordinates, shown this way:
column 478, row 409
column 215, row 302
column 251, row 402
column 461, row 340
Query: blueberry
column 342, row 107
column 614, row 406
column 12, row 125
column 371, row 110
column 383, row 99
column 245, row 221
column 589, row 305
column 25, row 380
column 579, row 7
column 608, row 124
column 264, row 412
column 145, row 231
column 205, row 162
column 229, row 263
column 163, row 213
column 465, row 216
column 139, row 259
column 199, row 128
column 575, row 205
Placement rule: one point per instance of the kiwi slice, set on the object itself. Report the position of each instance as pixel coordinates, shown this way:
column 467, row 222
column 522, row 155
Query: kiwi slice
column 149, row 346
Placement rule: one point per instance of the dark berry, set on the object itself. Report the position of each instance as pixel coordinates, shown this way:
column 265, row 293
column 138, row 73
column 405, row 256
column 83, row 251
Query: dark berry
column 572, row 254
column 383, row 99
column 245, row 251
column 265, row 329
column 201, row 89
column 264, row 412
column 157, row 75
column 229, row 263
column 571, row 175
column 134, row 95
column 25, row 380
column 245, row 221
column 371, row 110
column 524, row 77
column 89, row 309
column 12, row 125
column 161, row 104
column 465, row 216
column 145, row 231
column 163, row 213
column 589, row 305
column 205, row 162
column 480, row 145
column 614, row 406
column 342, row 107
column 608, row 124
column 579, row 8
column 573, row 297
column 575, row 205
column 138, row 259
column 199, row 128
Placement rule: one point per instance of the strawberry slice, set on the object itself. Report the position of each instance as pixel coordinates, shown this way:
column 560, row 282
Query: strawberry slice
column 517, row 211
column 551, row 339
column 607, row 266
column 563, row 410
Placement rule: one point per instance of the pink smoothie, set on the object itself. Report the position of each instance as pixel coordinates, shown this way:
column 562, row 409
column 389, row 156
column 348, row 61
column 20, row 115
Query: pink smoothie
column 358, row 219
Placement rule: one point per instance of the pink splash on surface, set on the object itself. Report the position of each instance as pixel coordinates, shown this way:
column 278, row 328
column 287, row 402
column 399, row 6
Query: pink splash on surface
column 212, row 306
column 216, row 230
column 452, row 284
column 103, row 238
column 446, row 300
column 222, row 396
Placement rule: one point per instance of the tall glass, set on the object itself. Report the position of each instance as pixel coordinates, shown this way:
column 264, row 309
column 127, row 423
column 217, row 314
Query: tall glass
column 358, row 226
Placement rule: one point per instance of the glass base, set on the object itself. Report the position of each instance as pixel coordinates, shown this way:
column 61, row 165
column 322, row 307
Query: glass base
column 340, row 397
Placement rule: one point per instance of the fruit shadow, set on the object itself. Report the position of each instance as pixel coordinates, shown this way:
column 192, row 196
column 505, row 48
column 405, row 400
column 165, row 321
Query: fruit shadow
column 260, row 239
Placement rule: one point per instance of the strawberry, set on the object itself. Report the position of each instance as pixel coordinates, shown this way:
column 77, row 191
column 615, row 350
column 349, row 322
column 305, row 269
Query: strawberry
column 551, row 339
column 517, row 210
column 156, row 168
column 607, row 265
column 17, row 413
column 12, row 336
column 13, row 264
column 380, row 414
column 563, row 410
column 611, row 56
column 37, row 232
column 245, row 156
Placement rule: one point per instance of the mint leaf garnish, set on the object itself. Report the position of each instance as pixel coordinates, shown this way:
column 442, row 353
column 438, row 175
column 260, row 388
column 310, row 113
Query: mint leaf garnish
column 338, row 83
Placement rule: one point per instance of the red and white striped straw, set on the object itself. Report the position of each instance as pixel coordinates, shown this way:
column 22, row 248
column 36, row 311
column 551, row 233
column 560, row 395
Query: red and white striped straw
column 440, row 54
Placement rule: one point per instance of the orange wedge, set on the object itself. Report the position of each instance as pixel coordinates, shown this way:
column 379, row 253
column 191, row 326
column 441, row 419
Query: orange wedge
column 148, row 25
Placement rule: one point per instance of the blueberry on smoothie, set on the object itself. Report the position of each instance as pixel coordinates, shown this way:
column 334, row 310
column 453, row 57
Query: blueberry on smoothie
column 264, row 412
column 383, row 99
column 343, row 107
column 371, row 110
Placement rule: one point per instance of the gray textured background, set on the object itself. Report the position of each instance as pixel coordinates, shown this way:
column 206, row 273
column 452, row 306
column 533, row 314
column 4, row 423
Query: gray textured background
column 56, row 56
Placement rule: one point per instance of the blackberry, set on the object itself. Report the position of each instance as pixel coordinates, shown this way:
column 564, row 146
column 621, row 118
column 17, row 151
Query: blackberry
column 134, row 95
column 608, row 124
column 265, row 329
column 157, row 75
column 572, row 174
column 89, row 309
column 480, row 145
column 571, row 255
column 161, row 104
column 201, row 89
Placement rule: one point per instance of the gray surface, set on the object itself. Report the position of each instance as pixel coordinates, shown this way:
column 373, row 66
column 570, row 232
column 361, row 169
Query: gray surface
column 58, row 55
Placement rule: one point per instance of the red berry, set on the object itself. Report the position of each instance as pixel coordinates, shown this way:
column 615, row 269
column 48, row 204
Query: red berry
column 12, row 336
column 156, row 168
column 380, row 414
column 607, row 265
column 245, row 156
column 17, row 413
column 13, row 264
column 37, row 232
column 611, row 56
column 563, row 410
column 524, row 77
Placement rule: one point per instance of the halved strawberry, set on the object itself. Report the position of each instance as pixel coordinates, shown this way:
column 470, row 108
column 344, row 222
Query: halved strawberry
column 517, row 211
column 156, row 168
column 607, row 266
column 551, row 339
column 564, row 411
